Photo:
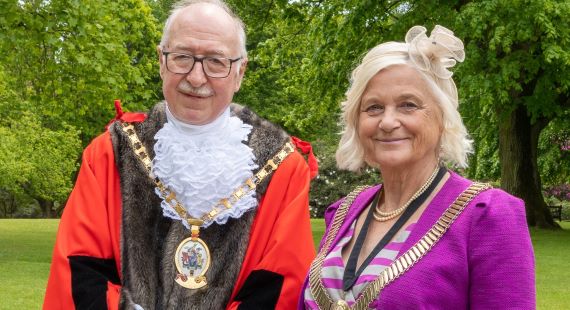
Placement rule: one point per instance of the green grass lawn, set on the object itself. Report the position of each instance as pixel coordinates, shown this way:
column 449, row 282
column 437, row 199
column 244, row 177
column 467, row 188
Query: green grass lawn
column 26, row 248
column 25, row 254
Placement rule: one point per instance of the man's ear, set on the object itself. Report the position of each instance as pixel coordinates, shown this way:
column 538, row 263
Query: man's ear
column 160, row 61
column 241, row 73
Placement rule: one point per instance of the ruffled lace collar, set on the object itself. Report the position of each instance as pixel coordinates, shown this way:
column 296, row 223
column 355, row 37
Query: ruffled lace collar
column 203, row 164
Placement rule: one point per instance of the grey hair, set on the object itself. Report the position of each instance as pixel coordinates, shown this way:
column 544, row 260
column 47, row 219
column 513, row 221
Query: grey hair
column 455, row 142
column 180, row 5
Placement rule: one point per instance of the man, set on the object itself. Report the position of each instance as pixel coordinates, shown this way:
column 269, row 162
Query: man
column 200, row 204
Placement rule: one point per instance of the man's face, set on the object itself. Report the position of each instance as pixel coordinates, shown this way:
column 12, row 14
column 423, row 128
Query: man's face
column 201, row 30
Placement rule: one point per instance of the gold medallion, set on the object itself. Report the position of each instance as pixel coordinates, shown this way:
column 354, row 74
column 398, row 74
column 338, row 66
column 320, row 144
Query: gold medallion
column 192, row 260
column 341, row 305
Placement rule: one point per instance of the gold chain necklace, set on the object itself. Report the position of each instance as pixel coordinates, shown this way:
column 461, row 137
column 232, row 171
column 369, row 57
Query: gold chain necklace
column 382, row 216
column 192, row 257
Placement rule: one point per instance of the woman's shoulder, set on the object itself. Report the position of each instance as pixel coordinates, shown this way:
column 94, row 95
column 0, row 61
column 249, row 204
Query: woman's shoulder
column 489, row 197
column 498, row 197
column 494, row 204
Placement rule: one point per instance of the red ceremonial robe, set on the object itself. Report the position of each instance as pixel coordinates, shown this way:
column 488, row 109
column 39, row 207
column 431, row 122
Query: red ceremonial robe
column 280, row 239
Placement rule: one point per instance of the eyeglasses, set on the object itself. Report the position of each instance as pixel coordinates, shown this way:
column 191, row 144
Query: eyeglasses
column 214, row 67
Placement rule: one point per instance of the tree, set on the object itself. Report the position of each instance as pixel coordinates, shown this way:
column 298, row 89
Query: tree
column 278, row 58
column 518, row 59
column 64, row 61
column 38, row 162
column 71, row 58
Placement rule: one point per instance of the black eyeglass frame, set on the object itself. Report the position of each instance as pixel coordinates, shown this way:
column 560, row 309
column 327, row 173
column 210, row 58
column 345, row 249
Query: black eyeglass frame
column 200, row 60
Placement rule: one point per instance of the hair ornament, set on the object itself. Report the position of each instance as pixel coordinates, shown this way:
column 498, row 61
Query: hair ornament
column 436, row 53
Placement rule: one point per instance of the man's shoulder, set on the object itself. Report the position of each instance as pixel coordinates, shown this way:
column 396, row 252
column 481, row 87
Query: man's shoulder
column 103, row 143
column 99, row 150
column 265, row 135
column 249, row 117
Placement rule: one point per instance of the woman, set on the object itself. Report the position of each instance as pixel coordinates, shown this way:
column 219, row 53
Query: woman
column 426, row 238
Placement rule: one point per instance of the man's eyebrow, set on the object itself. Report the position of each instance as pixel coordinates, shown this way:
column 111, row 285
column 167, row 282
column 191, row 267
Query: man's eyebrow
column 186, row 49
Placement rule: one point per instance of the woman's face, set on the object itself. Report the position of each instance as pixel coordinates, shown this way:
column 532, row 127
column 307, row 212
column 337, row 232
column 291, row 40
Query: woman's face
column 400, row 122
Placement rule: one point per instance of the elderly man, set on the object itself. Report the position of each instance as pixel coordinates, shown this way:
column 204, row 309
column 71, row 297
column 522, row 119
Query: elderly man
column 200, row 204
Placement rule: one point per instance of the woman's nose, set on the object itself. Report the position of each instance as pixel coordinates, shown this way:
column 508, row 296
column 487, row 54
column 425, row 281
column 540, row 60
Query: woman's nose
column 389, row 120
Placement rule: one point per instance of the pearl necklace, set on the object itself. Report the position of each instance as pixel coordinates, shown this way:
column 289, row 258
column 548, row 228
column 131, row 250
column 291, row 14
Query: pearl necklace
column 382, row 216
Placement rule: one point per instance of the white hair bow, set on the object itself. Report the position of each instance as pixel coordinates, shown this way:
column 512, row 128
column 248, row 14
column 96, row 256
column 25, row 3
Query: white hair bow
column 437, row 53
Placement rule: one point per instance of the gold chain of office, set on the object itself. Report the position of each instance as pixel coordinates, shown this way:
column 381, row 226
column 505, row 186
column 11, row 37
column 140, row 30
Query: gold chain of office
column 223, row 204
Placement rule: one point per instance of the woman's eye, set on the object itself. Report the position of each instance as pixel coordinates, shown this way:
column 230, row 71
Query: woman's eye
column 374, row 109
column 409, row 106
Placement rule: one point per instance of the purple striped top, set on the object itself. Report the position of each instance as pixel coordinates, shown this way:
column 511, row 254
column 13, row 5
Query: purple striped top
column 333, row 268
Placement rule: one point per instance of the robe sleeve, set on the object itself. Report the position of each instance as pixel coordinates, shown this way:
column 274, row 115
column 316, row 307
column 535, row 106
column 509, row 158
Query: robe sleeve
column 501, row 259
column 281, row 245
column 85, row 264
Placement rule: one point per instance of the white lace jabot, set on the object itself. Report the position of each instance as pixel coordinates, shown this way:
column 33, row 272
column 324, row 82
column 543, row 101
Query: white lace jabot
column 202, row 164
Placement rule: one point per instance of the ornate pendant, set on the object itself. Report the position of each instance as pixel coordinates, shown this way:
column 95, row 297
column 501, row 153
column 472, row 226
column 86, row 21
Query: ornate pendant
column 192, row 260
column 341, row 305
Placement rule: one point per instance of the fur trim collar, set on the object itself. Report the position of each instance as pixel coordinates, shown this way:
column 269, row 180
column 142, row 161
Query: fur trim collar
column 149, row 240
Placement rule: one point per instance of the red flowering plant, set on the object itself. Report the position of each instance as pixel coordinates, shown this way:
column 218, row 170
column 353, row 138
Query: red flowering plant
column 562, row 139
column 557, row 193
column 565, row 146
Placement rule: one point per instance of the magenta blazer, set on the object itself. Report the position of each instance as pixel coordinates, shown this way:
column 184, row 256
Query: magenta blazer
column 484, row 261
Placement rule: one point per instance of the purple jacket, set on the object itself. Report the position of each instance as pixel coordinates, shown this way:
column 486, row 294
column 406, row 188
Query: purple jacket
column 484, row 261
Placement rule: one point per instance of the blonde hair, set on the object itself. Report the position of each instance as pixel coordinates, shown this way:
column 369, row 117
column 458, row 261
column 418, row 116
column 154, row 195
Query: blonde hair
column 455, row 142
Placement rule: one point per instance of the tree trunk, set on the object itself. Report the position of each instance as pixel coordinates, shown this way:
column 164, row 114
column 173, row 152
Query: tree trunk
column 59, row 209
column 4, row 208
column 518, row 144
column 46, row 206
column 9, row 204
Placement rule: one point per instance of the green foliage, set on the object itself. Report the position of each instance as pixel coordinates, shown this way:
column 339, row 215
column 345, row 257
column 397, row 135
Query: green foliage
column 332, row 184
column 36, row 160
column 62, row 63
column 161, row 9
column 523, row 47
column 518, row 55
column 276, row 64
column 12, row 168
column 71, row 58
column 554, row 162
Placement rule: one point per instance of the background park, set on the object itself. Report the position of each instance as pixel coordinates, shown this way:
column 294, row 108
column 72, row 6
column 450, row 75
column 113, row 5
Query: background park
column 63, row 62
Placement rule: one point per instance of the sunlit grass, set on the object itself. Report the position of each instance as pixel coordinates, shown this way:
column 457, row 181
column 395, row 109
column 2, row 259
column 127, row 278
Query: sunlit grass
column 25, row 254
column 26, row 249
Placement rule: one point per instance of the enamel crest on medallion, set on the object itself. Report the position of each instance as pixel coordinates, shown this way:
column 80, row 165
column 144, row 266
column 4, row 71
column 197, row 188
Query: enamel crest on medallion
column 192, row 260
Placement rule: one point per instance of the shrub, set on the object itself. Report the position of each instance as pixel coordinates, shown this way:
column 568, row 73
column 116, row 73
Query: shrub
column 332, row 184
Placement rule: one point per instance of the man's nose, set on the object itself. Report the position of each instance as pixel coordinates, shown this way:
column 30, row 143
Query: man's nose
column 196, row 77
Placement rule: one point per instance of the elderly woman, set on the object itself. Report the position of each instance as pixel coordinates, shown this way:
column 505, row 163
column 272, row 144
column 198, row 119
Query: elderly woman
column 426, row 238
